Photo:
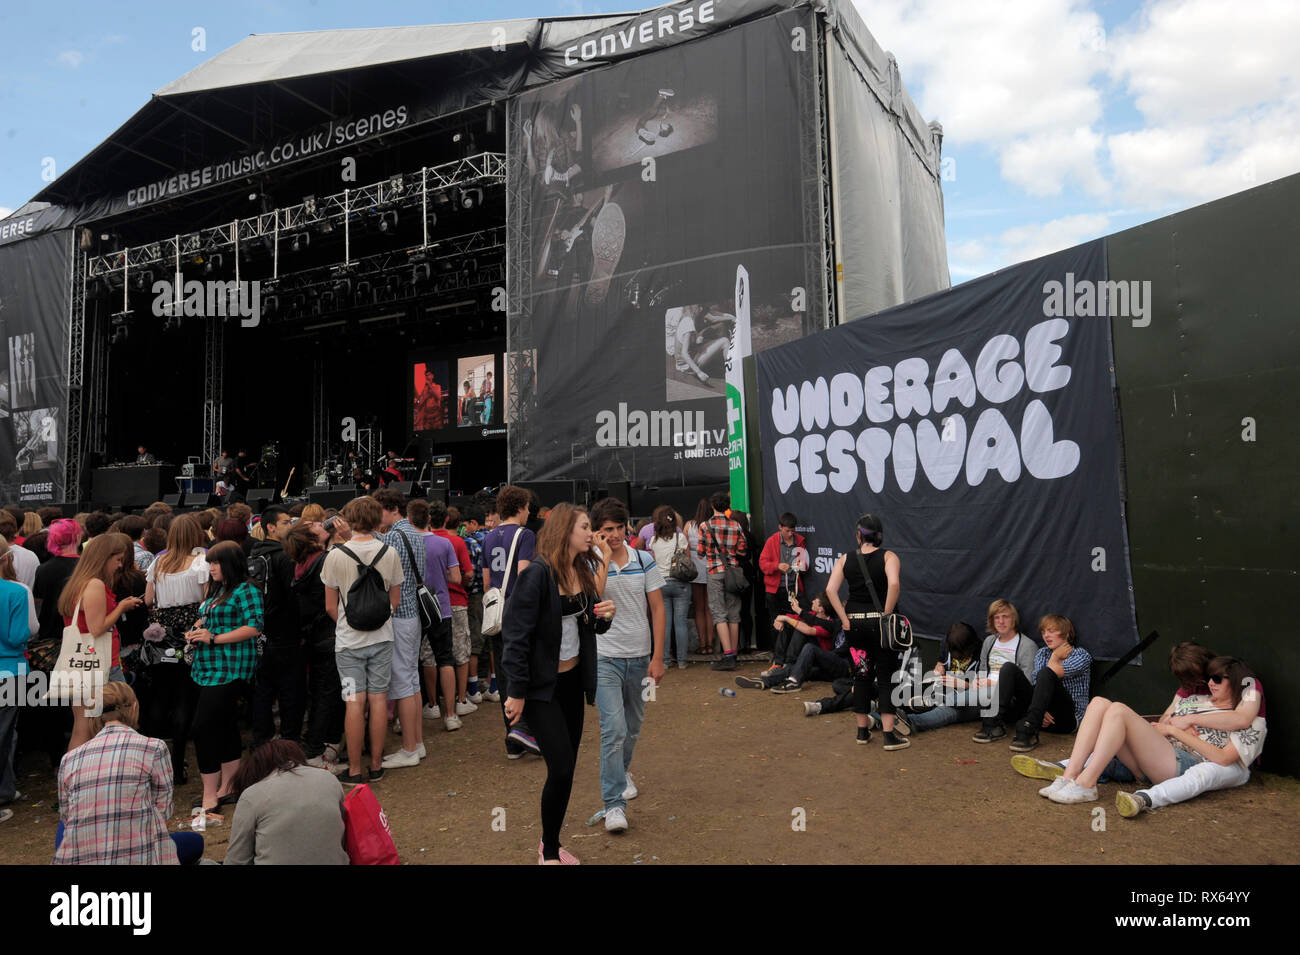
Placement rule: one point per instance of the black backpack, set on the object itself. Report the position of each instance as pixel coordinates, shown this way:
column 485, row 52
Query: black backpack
column 259, row 571
column 367, row 606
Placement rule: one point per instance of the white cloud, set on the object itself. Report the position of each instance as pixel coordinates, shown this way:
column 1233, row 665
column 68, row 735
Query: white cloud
column 1020, row 243
column 71, row 58
column 1220, row 92
column 1215, row 84
column 5, row 211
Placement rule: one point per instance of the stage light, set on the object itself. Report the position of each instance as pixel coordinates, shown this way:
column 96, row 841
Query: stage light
column 388, row 221
column 212, row 264
column 300, row 241
column 396, row 185
column 469, row 198
column 309, row 205
column 420, row 273
column 143, row 280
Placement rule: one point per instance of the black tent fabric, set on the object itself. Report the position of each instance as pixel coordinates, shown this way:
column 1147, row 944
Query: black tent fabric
column 980, row 425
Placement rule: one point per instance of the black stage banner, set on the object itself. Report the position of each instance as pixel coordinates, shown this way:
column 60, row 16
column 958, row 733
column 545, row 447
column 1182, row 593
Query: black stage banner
column 644, row 192
column 980, row 425
column 33, row 368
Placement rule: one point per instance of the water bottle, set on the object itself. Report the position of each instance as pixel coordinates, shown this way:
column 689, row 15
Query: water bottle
column 726, row 691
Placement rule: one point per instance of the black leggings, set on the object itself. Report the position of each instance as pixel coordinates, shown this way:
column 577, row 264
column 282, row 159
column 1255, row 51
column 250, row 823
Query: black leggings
column 216, row 726
column 557, row 727
column 884, row 664
column 171, row 708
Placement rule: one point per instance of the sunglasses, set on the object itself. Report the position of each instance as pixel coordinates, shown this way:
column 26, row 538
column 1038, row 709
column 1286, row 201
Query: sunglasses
column 1216, row 677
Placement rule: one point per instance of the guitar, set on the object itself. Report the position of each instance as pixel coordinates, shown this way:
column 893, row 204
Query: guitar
column 285, row 492
column 562, row 244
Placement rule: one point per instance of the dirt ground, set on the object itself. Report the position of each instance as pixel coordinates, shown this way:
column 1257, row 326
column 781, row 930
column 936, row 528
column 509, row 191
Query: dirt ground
column 726, row 779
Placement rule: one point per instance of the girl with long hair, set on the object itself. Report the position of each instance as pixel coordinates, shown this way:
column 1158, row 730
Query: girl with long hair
column 225, row 656
column 699, row 586
column 1227, row 730
column 174, row 585
column 90, row 589
column 549, row 657
column 667, row 541
column 861, row 621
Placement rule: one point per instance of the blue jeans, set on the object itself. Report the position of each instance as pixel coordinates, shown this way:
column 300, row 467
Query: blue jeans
column 677, row 598
column 621, row 706
column 189, row 845
column 943, row 716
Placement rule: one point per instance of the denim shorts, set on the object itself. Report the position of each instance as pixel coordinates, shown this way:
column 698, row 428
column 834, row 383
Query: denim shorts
column 1186, row 760
column 365, row 670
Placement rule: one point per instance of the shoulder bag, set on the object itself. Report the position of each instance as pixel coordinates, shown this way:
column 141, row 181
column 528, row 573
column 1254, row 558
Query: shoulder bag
column 430, row 609
column 494, row 599
column 895, row 629
column 681, row 567
column 734, row 580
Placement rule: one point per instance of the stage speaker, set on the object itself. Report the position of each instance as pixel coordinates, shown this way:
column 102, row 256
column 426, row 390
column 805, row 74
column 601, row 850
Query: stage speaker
column 260, row 498
column 350, row 488
column 174, row 500
column 335, row 498
column 214, row 500
column 554, row 492
column 619, row 489
column 407, row 488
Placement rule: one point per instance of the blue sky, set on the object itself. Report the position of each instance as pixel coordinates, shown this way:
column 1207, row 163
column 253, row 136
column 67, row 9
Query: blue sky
column 1063, row 119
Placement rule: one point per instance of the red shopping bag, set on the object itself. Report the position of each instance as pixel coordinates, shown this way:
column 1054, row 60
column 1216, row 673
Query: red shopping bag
column 367, row 835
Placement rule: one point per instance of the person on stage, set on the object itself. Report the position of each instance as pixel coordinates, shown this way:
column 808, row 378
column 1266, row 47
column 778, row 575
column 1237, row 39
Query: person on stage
column 142, row 456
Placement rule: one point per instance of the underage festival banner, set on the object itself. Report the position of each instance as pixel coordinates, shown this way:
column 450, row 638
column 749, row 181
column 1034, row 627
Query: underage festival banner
column 980, row 425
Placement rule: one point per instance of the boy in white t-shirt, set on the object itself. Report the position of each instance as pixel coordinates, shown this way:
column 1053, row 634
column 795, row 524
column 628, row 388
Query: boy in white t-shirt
column 364, row 657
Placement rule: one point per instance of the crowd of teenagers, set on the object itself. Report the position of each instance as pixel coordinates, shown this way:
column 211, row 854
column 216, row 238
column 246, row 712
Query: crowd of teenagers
column 323, row 632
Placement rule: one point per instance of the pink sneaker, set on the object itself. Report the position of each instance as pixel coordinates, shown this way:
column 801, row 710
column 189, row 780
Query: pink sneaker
column 566, row 857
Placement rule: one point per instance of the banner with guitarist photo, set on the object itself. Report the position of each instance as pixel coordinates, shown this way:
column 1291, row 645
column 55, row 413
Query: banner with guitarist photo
column 641, row 193
column 34, row 278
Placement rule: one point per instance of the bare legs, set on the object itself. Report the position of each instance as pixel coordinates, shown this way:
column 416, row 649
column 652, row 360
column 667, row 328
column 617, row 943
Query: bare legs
column 1112, row 729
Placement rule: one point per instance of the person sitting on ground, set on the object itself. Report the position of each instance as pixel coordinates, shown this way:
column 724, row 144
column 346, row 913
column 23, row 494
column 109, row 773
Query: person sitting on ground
column 1055, row 696
column 115, row 795
column 816, row 657
column 288, row 813
column 1004, row 644
column 948, row 693
column 1164, row 752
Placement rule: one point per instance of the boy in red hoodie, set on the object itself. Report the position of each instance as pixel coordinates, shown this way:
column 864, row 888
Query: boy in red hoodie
column 781, row 566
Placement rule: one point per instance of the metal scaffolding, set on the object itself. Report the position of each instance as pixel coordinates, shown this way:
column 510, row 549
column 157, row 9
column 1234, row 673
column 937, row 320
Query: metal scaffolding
column 214, row 380
column 76, row 356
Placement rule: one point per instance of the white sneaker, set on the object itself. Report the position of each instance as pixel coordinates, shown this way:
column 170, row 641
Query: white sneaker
column 400, row 760
column 492, row 696
column 1052, row 787
column 615, row 820
column 451, row 723
column 1072, row 793
column 420, row 751
column 432, row 713
column 464, row 708
column 331, row 753
column 475, row 698
column 812, row 709
column 630, row 792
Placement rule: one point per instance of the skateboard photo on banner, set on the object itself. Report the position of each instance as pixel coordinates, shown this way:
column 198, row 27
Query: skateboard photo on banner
column 646, row 189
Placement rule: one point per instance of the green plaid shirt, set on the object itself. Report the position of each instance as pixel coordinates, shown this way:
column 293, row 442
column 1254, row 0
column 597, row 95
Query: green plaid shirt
column 227, row 662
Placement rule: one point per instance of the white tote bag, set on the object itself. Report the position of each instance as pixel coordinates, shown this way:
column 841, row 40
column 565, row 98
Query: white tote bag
column 81, row 672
